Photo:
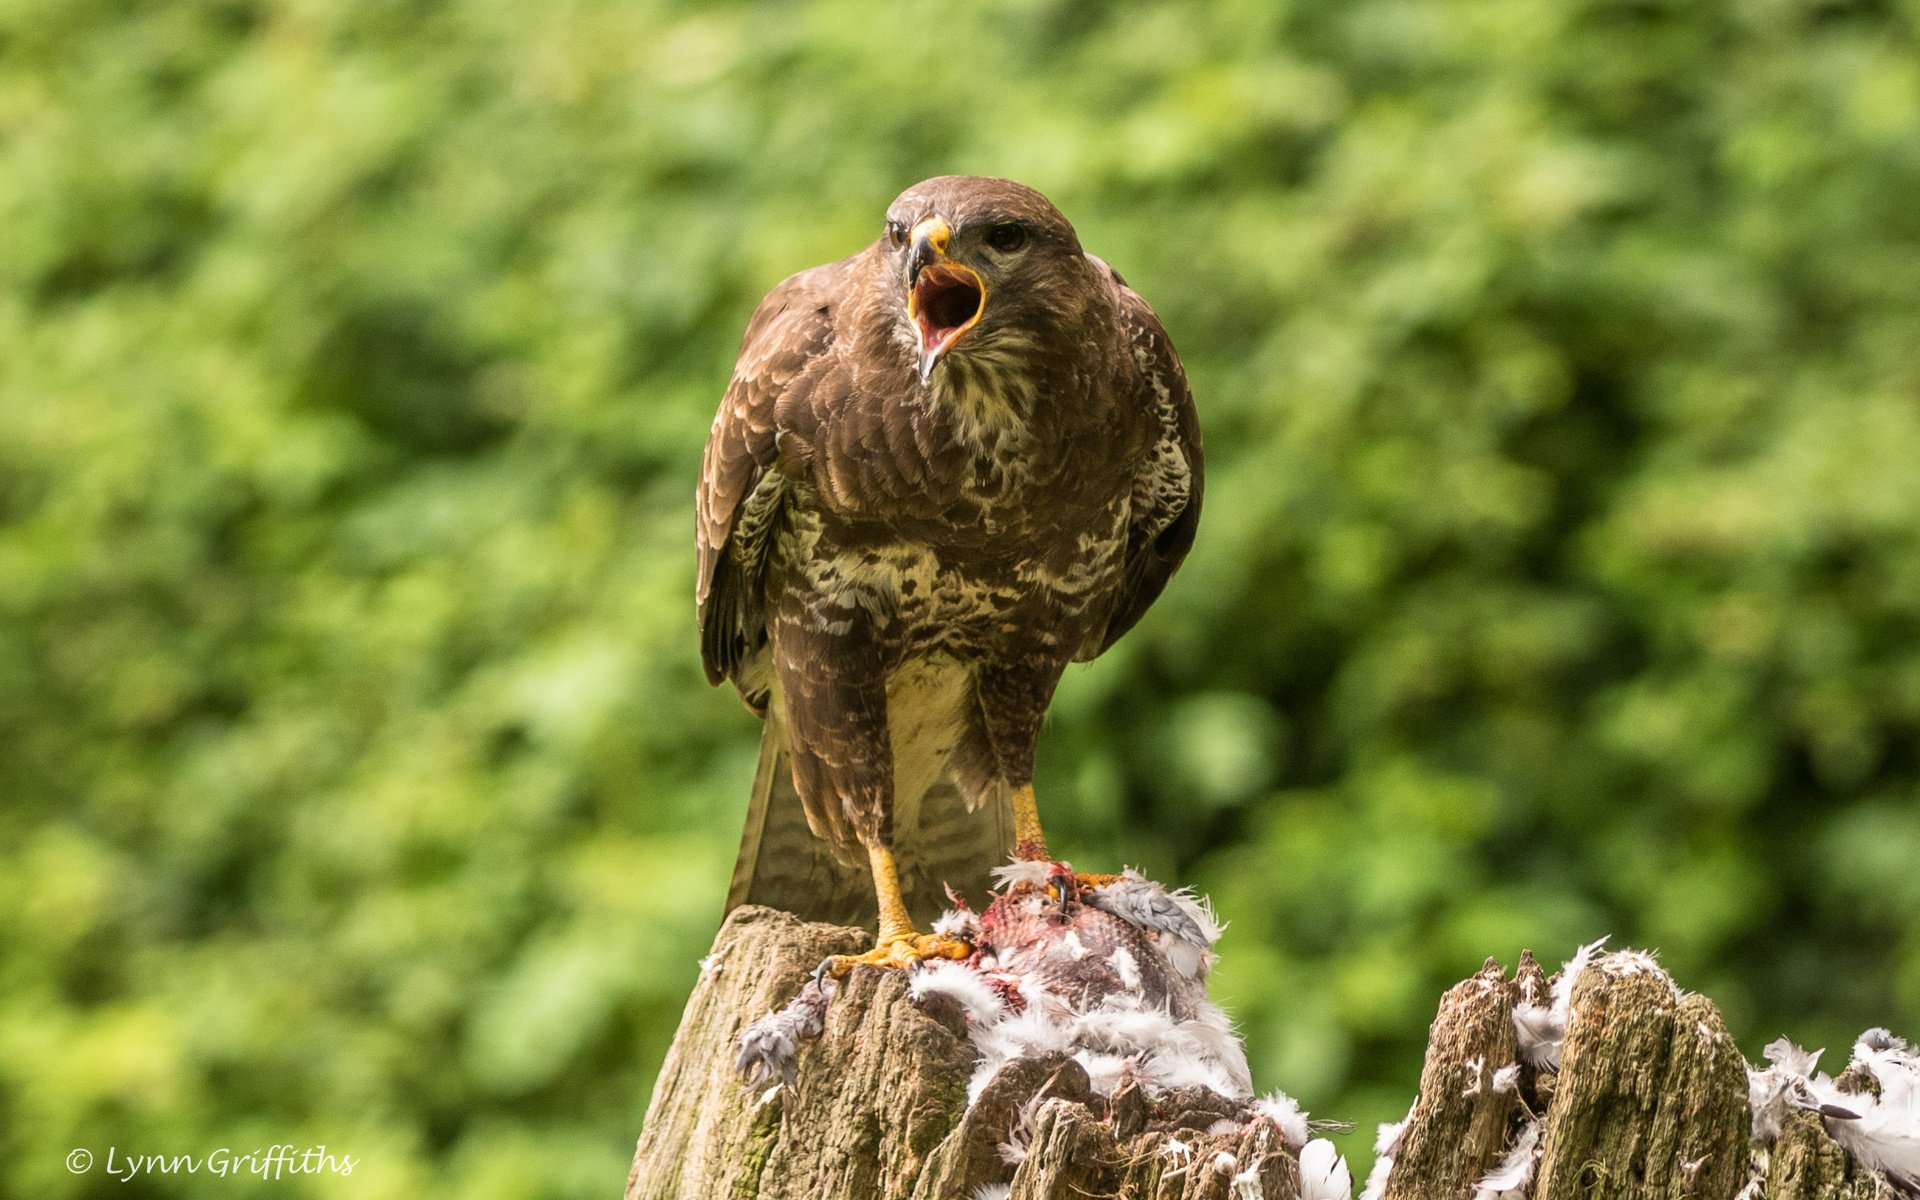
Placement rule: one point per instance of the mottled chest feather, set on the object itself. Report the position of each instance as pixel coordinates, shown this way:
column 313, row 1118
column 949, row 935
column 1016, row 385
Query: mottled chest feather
column 963, row 598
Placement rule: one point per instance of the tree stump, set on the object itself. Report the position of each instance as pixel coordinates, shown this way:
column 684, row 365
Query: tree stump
column 1649, row 1099
column 879, row 1107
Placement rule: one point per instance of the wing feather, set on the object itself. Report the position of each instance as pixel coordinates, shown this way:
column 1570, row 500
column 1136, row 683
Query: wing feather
column 1165, row 508
column 738, row 501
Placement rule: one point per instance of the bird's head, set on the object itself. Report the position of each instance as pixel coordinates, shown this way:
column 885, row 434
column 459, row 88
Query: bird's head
column 977, row 258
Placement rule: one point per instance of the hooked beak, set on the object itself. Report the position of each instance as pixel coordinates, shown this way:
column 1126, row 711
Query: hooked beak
column 944, row 298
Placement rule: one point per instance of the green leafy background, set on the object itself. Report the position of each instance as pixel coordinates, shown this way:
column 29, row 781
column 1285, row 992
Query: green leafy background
column 1560, row 370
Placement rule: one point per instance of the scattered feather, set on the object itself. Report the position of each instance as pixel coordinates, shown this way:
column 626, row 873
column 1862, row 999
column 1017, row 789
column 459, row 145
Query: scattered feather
column 1884, row 1133
column 1386, row 1144
column 1106, row 1072
column 1019, row 1141
column 1376, row 1185
column 1323, row 1173
column 1022, row 871
column 966, row 986
column 1247, row 1185
column 1287, row 1115
column 1879, row 1125
column 1477, row 1076
column 1539, row 1035
column 1515, row 1173
column 958, row 923
column 1502, row 1080
column 1570, row 973
column 1542, row 1029
column 1759, row 1167
column 1623, row 963
column 1774, row 1092
column 1386, row 1140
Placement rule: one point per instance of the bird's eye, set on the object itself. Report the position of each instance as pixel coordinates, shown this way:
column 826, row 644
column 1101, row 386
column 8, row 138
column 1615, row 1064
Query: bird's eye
column 896, row 234
column 1007, row 237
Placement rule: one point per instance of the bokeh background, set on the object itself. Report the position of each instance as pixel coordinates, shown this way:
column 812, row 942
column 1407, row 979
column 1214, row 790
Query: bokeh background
column 1560, row 575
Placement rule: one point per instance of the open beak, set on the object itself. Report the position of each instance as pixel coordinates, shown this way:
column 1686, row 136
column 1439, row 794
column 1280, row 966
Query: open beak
column 944, row 298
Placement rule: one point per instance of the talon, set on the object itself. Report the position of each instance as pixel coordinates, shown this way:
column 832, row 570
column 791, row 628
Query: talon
column 901, row 952
column 1068, row 885
column 1060, row 884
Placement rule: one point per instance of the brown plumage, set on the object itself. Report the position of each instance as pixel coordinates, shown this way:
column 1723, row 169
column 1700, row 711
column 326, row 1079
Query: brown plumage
column 945, row 467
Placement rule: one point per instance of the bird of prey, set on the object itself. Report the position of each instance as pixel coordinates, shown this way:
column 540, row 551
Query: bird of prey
column 945, row 467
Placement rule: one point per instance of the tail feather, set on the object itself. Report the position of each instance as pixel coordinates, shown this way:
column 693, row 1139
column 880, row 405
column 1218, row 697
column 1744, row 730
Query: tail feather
column 783, row 865
column 954, row 846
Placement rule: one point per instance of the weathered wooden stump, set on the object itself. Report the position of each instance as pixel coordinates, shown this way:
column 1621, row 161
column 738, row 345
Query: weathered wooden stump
column 1617, row 1086
column 879, row 1106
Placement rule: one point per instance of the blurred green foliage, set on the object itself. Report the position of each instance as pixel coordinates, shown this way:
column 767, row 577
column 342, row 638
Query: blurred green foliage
column 1560, row 368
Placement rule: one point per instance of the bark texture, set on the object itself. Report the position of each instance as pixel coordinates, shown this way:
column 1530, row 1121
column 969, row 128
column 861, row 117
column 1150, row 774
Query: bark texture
column 1649, row 1100
column 1458, row 1128
column 1806, row 1164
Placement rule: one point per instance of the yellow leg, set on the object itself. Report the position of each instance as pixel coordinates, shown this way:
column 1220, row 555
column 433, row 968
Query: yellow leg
column 899, row 945
column 1029, row 842
column 894, row 921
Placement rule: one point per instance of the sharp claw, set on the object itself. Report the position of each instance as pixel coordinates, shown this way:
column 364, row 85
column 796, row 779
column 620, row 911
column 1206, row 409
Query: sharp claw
column 902, row 953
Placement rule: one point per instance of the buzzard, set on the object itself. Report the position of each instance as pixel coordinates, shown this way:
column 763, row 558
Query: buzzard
column 944, row 468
